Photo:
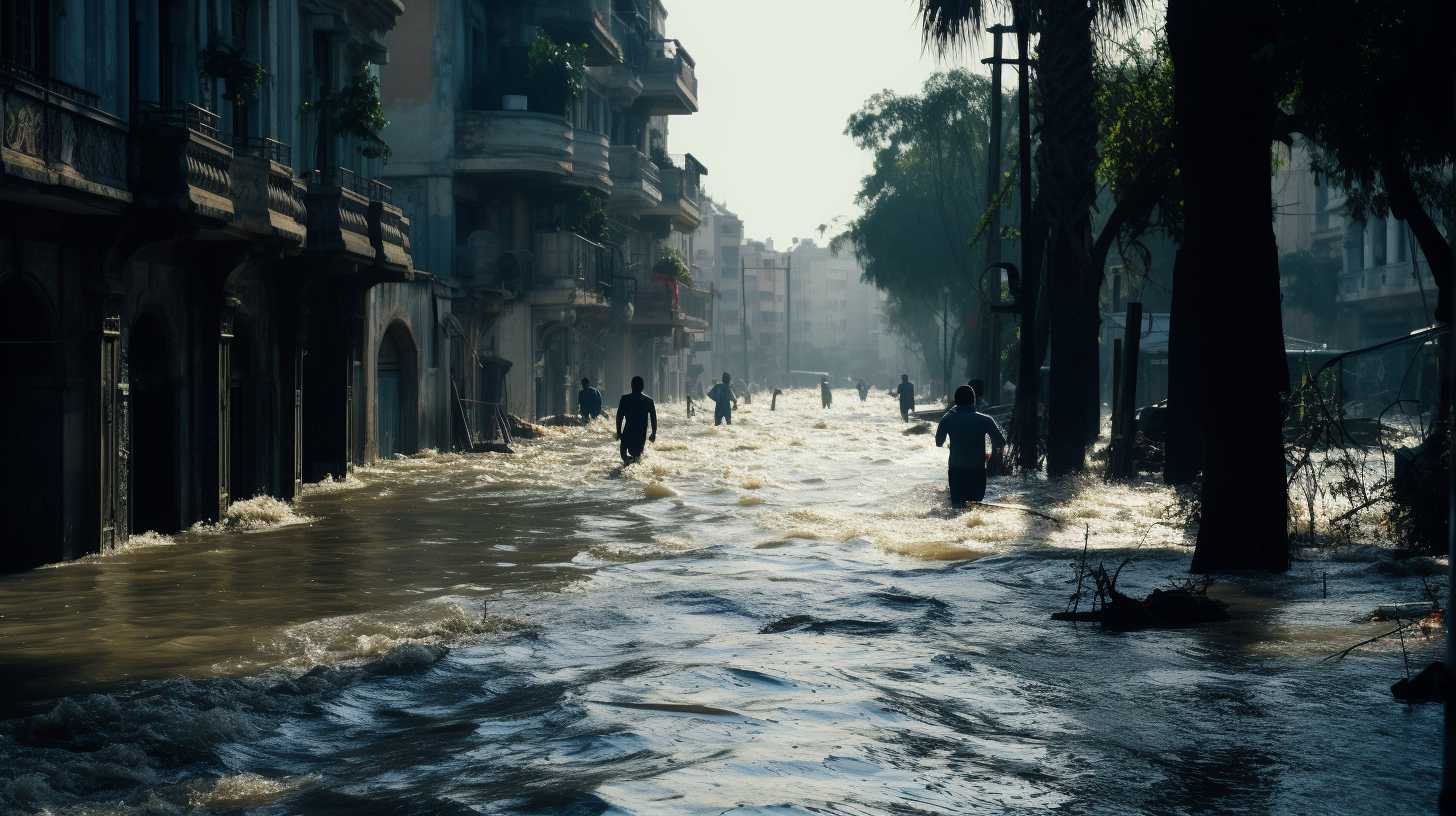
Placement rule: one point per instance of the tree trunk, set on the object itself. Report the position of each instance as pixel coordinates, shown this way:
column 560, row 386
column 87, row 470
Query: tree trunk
column 1183, row 449
column 1069, row 134
column 1026, row 425
column 1224, row 102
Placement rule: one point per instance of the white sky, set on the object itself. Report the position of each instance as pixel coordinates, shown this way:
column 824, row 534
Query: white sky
column 777, row 79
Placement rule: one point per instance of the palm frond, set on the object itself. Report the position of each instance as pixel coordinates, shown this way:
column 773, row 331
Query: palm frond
column 947, row 25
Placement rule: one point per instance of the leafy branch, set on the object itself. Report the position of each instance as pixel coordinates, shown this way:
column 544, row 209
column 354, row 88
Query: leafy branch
column 355, row 110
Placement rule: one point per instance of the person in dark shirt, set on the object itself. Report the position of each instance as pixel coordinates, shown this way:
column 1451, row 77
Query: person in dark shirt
column 724, row 400
column 864, row 390
column 906, row 392
column 826, row 396
column 633, row 414
column 968, row 429
column 588, row 401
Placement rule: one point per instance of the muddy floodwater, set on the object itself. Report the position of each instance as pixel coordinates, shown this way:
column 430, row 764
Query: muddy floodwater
column 777, row 617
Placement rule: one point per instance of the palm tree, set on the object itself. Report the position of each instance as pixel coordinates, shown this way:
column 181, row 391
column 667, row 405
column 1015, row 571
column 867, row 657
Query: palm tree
column 1066, row 162
column 1227, row 324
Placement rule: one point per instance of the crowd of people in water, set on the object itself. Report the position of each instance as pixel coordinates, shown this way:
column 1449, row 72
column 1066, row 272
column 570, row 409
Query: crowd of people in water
column 965, row 425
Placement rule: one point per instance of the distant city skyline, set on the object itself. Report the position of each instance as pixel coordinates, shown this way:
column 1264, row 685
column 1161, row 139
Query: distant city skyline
column 778, row 81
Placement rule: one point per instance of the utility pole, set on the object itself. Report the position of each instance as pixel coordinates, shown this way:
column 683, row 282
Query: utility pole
column 991, row 330
column 1028, row 383
column 743, row 322
column 788, row 320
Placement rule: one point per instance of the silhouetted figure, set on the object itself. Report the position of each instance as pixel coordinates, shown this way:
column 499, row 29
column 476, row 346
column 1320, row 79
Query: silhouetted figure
column 864, row 390
column 826, row 395
column 588, row 401
column 724, row 400
column 968, row 429
column 906, row 392
column 633, row 414
column 773, row 402
column 979, row 386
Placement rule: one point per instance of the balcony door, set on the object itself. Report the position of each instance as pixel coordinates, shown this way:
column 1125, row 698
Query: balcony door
column 25, row 35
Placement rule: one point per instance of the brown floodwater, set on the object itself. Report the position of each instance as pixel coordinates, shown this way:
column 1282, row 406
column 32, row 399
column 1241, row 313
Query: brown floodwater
column 777, row 617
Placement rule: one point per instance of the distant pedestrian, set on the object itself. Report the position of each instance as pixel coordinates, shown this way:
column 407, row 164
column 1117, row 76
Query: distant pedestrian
column 979, row 386
column 906, row 392
column 826, row 396
column 724, row 400
column 588, row 401
column 634, row 413
column 864, row 390
column 968, row 429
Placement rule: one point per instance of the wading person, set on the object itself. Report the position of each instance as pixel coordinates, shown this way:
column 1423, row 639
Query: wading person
column 634, row 413
column 863, row 389
column 724, row 400
column 826, row 395
column 906, row 392
column 968, row 429
column 588, row 401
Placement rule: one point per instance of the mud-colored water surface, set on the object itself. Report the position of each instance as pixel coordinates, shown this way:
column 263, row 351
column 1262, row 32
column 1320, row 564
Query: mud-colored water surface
column 774, row 617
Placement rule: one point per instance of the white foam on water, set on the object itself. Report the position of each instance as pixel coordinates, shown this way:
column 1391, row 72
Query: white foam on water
column 329, row 484
column 257, row 513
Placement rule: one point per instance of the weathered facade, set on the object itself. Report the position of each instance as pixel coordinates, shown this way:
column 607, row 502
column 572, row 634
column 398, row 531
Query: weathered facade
column 542, row 208
column 193, row 311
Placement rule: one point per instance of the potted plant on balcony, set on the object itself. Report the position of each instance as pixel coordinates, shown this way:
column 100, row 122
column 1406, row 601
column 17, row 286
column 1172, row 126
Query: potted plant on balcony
column 353, row 110
column 586, row 215
column 555, row 74
column 241, row 77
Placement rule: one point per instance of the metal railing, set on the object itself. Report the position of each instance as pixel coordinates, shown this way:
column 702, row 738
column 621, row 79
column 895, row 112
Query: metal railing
column 678, row 183
column 372, row 189
column 191, row 117
column 267, row 148
column 70, row 92
column 695, row 303
column 671, row 56
column 568, row 256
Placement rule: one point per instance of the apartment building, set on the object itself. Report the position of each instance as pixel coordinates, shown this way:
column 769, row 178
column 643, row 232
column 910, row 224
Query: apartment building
column 207, row 295
column 546, row 197
column 1384, row 288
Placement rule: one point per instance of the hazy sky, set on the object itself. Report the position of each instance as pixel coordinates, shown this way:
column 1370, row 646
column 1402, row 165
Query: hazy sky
column 777, row 80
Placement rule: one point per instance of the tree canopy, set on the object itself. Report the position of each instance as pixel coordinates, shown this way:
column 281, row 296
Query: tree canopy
column 924, row 199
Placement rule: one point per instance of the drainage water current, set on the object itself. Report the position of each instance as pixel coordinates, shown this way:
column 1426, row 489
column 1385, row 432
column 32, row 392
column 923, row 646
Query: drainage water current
column 777, row 617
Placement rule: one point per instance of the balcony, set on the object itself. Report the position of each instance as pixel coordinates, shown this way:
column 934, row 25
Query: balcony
column 636, row 186
column 181, row 163
column 350, row 218
column 267, row 199
column 521, row 143
column 662, row 304
column 53, row 136
column 681, row 193
column 570, row 270
column 591, row 162
column 695, row 308
column 623, row 81
column 1386, row 281
column 488, row 275
column 669, row 80
column 583, row 21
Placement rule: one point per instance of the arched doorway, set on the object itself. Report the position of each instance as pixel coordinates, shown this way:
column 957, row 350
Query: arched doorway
column 153, row 447
column 30, row 427
column 397, row 383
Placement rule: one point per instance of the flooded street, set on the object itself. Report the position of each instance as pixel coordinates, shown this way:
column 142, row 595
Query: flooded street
column 777, row 617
